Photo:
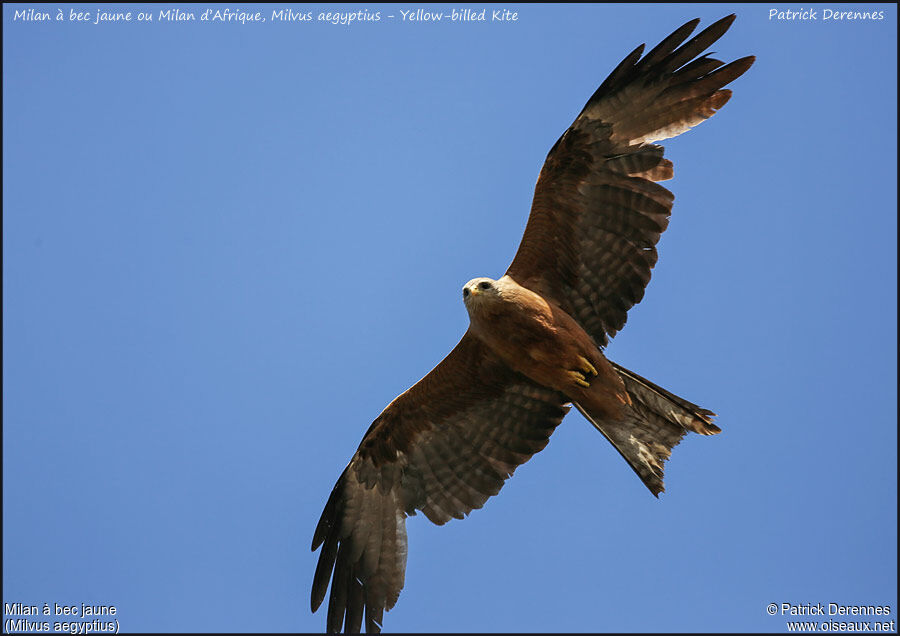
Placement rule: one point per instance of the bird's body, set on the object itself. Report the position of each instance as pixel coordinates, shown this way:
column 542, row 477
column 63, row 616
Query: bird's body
column 534, row 343
column 538, row 339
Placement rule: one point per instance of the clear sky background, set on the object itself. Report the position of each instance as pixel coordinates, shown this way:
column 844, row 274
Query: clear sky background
column 227, row 247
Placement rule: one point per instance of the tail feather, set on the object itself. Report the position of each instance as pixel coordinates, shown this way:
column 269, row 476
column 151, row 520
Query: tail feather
column 651, row 426
column 688, row 414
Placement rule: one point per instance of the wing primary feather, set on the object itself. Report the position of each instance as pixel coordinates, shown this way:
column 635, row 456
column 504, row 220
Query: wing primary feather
column 329, row 516
column 696, row 69
column 728, row 73
column 373, row 624
column 624, row 69
column 324, row 569
column 371, row 555
column 355, row 603
column 393, row 560
column 337, row 603
column 696, row 45
column 664, row 48
column 356, row 525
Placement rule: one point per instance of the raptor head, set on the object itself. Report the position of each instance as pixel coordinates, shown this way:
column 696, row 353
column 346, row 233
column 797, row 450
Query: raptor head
column 480, row 292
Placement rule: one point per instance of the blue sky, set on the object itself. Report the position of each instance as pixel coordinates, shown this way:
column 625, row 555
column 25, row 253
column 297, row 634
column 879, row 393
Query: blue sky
column 226, row 247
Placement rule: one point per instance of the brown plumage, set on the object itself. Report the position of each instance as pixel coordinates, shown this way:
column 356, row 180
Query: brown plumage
column 534, row 341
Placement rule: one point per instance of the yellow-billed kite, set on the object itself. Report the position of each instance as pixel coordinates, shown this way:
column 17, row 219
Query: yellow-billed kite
column 535, row 336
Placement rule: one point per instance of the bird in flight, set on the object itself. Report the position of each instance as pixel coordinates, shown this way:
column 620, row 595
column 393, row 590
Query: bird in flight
column 536, row 335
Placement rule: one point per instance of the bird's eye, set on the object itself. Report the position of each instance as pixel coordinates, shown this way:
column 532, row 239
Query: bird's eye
column 465, row 292
column 484, row 285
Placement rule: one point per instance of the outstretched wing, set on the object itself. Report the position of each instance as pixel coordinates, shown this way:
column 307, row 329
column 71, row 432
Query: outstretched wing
column 597, row 214
column 443, row 447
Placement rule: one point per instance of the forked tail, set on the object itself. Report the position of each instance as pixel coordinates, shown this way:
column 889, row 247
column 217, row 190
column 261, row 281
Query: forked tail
column 651, row 427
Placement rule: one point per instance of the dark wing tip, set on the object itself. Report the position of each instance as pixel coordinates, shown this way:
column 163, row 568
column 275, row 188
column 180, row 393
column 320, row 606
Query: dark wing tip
column 722, row 24
column 748, row 60
column 696, row 45
column 741, row 64
column 326, row 537
column 716, row 101
column 329, row 516
column 623, row 70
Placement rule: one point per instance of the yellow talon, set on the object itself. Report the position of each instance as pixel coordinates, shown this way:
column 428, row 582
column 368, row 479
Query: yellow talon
column 579, row 378
column 586, row 364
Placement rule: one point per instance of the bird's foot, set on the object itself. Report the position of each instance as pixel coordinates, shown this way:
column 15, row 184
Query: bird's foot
column 578, row 377
column 582, row 375
column 586, row 367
